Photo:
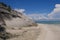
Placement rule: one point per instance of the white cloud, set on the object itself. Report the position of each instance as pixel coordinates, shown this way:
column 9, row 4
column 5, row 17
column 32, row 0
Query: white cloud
column 57, row 5
column 55, row 14
column 36, row 16
column 20, row 10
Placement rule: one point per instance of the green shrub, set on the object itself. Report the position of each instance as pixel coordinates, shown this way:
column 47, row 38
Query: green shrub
column 5, row 6
column 1, row 3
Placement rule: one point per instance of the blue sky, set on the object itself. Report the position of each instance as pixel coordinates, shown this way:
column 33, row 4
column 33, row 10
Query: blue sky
column 33, row 6
column 40, row 7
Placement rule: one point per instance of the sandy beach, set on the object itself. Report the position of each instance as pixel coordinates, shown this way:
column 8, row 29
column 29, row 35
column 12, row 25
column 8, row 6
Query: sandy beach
column 41, row 32
column 49, row 32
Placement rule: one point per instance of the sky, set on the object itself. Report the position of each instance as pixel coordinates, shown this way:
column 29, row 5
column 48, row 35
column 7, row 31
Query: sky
column 37, row 9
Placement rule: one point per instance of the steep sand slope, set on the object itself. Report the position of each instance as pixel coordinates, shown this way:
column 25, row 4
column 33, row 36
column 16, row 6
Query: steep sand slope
column 26, row 33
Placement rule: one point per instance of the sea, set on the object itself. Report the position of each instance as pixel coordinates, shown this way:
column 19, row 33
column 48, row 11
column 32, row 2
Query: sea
column 48, row 22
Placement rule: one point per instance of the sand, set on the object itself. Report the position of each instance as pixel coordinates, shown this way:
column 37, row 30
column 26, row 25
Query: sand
column 41, row 32
column 49, row 32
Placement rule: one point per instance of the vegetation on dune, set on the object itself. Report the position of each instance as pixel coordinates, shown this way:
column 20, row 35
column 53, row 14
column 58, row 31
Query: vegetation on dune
column 1, row 3
column 5, row 6
column 7, row 13
column 4, row 15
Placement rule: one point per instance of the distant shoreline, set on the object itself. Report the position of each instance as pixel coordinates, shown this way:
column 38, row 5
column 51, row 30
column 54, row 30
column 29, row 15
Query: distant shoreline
column 48, row 22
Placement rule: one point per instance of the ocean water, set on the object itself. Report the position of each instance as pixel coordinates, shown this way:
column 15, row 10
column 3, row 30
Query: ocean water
column 51, row 25
column 48, row 22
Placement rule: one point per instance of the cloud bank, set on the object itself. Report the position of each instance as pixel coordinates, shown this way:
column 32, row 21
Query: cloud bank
column 36, row 16
column 54, row 15
column 20, row 10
